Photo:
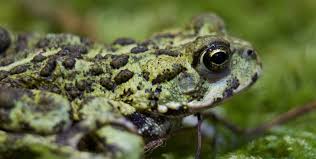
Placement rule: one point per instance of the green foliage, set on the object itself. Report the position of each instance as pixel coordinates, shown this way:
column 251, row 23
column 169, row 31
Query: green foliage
column 284, row 143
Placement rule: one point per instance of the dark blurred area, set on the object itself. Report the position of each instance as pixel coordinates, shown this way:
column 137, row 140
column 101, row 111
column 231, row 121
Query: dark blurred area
column 282, row 31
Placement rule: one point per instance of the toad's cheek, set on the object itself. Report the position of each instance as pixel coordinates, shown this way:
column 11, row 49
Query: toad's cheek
column 243, row 75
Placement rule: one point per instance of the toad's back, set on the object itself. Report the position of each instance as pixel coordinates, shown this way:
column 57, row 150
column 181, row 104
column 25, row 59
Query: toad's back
column 76, row 67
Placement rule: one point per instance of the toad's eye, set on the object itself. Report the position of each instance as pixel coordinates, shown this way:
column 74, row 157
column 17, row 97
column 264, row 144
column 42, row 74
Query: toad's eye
column 216, row 57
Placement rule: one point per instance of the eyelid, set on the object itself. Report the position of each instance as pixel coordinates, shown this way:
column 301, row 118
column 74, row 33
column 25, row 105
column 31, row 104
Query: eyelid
column 219, row 45
column 218, row 50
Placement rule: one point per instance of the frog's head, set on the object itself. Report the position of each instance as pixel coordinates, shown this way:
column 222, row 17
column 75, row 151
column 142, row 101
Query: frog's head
column 214, row 67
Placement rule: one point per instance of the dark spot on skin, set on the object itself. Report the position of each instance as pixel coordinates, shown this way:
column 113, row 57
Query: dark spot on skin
column 158, row 91
column 68, row 86
column 139, row 49
column 76, row 48
column 99, row 57
column 49, row 68
column 127, row 93
column 74, row 51
column 153, row 96
column 19, row 69
column 140, row 86
column 69, row 63
column 107, row 83
column 235, row 83
column 123, row 76
column 5, row 40
column 26, row 126
column 84, row 85
column 43, row 43
column 254, row 78
column 63, row 52
column 55, row 89
column 96, row 71
column 124, row 41
column 22, row 42
column 168, row 75
column 38, row 58
column 119, row 61
column 72, row 91
column 167, row 52
column 232, row 85
column 146, row 75
column 3, row 74
column 228, row 92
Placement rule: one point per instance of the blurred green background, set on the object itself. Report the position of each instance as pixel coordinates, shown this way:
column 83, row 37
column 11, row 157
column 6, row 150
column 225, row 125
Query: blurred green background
column 284, row 33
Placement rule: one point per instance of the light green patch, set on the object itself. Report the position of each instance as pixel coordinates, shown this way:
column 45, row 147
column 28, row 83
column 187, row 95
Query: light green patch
column 125, row 145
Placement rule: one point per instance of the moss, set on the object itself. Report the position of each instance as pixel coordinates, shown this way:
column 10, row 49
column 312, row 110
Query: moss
column 282, row 143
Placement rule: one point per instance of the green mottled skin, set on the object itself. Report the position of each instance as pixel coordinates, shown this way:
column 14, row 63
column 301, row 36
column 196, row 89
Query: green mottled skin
column 79, row 99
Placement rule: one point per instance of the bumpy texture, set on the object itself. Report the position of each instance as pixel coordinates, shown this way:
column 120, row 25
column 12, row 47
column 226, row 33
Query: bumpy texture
column 78, row 99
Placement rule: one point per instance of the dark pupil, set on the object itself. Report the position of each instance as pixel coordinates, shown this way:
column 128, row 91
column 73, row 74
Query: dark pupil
column 219, row 57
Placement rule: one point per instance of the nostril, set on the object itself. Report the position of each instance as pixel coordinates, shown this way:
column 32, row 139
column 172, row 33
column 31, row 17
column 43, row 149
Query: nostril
column 251, row 53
